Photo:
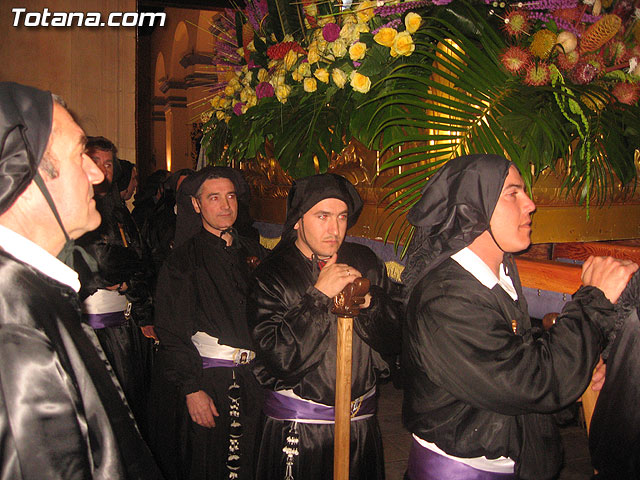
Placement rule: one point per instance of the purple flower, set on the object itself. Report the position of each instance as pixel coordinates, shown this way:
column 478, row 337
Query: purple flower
column 331, row 32
column 264, row 89
column 237, row 108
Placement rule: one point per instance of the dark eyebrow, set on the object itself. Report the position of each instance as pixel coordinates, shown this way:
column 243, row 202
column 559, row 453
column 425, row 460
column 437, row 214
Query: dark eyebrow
column 514, row 185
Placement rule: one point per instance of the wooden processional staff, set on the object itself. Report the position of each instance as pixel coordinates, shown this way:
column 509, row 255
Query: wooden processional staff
column 346, row 305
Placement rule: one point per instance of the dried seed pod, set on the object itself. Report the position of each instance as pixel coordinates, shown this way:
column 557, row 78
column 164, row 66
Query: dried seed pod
column 600, row 33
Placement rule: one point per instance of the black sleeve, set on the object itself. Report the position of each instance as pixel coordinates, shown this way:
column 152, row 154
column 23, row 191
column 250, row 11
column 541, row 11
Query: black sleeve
column 460, row 340
column 174, row 312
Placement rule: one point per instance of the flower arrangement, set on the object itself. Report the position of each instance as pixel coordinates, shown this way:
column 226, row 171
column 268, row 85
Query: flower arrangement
column 426, row 80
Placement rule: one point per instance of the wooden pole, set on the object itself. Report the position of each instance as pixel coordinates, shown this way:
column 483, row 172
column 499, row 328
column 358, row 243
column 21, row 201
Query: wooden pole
column 343, row 399
column 346, row 307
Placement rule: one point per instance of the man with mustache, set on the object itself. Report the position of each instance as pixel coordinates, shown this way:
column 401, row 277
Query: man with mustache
column 295, row 335
column 481, row 386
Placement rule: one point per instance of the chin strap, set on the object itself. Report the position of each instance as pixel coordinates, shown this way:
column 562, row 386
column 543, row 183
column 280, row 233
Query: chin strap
column 66, row 255
column 494, row 239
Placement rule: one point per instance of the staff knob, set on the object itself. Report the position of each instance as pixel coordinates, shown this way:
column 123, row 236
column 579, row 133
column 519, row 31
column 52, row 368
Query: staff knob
column 347, row 302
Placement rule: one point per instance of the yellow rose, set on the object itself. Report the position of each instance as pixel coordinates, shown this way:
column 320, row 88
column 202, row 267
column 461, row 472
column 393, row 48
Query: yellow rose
column 252, row 100
column 244, row 108
column 313, row 56
column 412, row 22
column 324, row 20
column 357, row 51
column 347, row 33
column 362, row 28
column 235, row 84
column 310, row 85
column 364, row 12
column 227, row 118
column 220, row 115
column 338, row 77
column 263, row 75
column 322, row 74
column 338, row 48
column 385, row 36
column 360, row 83
column 229, row 91
column 247, row 78
column 296, row 76
column 206, row 116
column 349, row 18
column 215, row 101
column 282, row 92
column 304, row 69
column 403, row 45
column 225, row 103
column 277, row 80
column 246, row 93
column 290, row 59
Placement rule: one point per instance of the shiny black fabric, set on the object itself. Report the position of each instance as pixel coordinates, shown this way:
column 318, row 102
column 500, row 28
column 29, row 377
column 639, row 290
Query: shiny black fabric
column 614, row 436
column 61, row 415
column 295, row 339
column 128, row 351
column 455, row 208
column 26, row 116
column 315, row 461
column 474, row 387
column 203, row 287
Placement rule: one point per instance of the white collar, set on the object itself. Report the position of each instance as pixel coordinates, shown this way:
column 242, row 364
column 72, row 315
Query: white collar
column 36, row 256
column 473, row 264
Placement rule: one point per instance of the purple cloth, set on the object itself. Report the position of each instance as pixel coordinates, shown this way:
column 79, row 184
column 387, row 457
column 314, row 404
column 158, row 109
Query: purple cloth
column 217, row 362
column 105, row 320
column 425, row 464
column 282, row 407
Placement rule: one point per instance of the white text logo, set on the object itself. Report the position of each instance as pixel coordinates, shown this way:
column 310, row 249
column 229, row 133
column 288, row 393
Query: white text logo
column 85, row 19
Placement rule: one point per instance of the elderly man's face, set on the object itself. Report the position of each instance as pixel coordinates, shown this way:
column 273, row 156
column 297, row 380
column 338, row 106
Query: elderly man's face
column 511, row 219
column 217, row 204
column 322, row 229
column 72, row 190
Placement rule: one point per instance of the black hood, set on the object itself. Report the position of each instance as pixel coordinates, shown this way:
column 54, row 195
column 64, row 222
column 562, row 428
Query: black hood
column 455, row 208
column 307, row 192
column 26, row 116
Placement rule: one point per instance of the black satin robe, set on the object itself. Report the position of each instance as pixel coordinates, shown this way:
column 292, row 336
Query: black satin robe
column 476, row 388
column 614, row 436
column 295, row 337
column 203, row 287
column 61, row 414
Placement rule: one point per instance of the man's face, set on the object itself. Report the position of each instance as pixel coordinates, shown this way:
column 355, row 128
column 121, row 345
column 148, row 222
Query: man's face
column 217, row 204
column 322, row 229
column 511, row 219
column 72, row 190
column 104, row 160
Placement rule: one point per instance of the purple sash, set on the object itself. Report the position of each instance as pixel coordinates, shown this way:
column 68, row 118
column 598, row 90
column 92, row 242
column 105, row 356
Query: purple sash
column 105, row 320
column 282, row 407
column 425, row 464
column 208, row 362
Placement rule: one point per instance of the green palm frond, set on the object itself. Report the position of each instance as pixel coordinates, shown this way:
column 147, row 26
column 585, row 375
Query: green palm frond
column 453, row 97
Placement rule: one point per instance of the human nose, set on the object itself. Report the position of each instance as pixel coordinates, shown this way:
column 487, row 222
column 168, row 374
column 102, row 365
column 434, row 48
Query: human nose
column 333, row 226
column 94, row 174
column 529, row 206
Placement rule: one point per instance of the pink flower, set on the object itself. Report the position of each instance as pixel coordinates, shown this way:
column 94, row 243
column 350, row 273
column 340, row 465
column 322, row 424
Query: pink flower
column 264, row 89
column 331, row 32
column 237, row 108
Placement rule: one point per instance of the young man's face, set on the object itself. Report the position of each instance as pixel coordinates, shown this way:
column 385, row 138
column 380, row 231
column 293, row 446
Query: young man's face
column 511, row 219
column 217, row 204
column 322, row 229
column 72, row 190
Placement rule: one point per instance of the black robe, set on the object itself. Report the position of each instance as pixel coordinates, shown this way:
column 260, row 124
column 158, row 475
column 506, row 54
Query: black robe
column 614, row 436
column 61, row 415
column 295, row 335
column 122, row 258
column 202, row 287
column 476, row 388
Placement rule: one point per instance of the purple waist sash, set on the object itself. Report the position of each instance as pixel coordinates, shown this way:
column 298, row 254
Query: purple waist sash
column 208, row 362
column 104, row 320
column 282, row 407
column 425, row 464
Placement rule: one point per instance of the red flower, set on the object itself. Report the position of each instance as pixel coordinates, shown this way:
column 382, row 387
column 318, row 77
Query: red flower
column 537, row 74
column 278, row 51
column 515, row 59
column 627, row 93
